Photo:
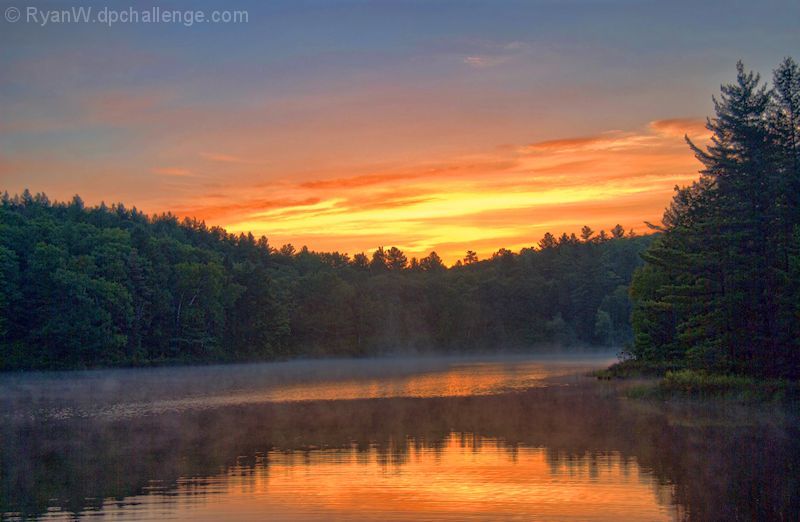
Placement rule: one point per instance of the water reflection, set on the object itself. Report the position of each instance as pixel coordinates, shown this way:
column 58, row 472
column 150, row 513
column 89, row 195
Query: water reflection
column 574, row 452
column 466, row 477
column 121, row 393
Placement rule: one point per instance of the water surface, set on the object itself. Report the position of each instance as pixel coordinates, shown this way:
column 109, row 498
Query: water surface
column 518, row 438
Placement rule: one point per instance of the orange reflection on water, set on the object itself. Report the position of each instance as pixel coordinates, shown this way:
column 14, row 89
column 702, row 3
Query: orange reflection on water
column 474, row 378
column 465, row 477
column 455, row 381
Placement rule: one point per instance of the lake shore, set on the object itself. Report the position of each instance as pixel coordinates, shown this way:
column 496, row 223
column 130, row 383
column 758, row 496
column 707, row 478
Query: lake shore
column 322, row 439
column 666, row 381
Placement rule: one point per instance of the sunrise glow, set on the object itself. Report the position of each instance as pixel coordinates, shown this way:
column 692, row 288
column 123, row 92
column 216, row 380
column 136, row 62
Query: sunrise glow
column 429, row 138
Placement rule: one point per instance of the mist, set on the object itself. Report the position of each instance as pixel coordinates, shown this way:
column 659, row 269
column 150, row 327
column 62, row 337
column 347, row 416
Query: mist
column 130, row 392
column 123, row 441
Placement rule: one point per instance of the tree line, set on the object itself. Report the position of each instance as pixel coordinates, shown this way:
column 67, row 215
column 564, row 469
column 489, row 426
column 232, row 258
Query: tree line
column 108, row 285
column 720, row 289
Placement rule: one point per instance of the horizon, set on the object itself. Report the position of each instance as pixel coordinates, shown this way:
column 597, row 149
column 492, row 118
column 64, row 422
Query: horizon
column 408, row 260
column 355, row 125
column 533, row 245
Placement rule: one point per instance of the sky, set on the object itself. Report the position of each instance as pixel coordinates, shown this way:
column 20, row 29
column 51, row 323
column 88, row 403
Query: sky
column 345, row 126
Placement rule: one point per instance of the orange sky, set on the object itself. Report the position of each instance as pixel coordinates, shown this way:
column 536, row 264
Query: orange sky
column 505, row 197
column 352, row 125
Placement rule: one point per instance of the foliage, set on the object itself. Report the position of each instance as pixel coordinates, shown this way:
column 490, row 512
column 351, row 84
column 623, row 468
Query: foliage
column 84, row 287
column 719, row 290
column 697, row 384
column 635, row 368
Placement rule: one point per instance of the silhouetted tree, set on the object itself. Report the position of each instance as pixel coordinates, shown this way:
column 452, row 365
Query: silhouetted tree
column 287, row 250
column 431, row 262
column 98, row 286
column 548, row 241
column 717, row 291
column 395, row 259
column 378, row 262
column 360, row 261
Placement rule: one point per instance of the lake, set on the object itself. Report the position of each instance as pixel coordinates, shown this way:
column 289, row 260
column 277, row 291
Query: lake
column 416, row 438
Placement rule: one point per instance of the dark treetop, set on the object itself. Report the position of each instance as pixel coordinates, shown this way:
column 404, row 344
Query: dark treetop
column 721, row 287
column 84, row 287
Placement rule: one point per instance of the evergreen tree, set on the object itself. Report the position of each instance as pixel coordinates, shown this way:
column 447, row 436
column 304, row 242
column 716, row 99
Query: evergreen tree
column 98, row 286
column 395, row 259
column 716, row 291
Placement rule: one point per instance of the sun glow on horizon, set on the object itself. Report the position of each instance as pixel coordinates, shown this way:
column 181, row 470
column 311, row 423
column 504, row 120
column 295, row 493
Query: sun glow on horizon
column 477, row 126
column 506, row 199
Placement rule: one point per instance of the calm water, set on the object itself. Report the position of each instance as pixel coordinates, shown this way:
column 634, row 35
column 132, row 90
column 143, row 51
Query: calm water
column 397, row 439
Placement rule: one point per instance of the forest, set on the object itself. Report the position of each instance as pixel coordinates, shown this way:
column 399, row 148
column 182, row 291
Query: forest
column 715, row 287
column 87, row 287
column 720, row 290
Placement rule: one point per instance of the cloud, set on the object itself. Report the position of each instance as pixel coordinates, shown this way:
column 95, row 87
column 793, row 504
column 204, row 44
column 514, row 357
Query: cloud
column 386, row 200
column 483, row 61
column 172, row 171
column 492, row 54
column 455, row 168
column 359, row 181
column 234, row 207
column 223, row 158
column 493, row 200
column 495, row 197
column 608, row 141
column 679, row 127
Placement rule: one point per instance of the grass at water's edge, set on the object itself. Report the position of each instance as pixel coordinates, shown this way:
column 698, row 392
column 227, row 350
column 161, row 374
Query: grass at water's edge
column 682, row 383
column 632, row 368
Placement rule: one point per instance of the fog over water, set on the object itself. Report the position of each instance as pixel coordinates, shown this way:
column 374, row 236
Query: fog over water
column 404, row 438
column 120, row 392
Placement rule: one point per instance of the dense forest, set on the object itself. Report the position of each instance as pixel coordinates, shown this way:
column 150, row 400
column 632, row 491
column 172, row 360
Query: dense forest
column 716, row 287
column 720, row 289
column 85, row 287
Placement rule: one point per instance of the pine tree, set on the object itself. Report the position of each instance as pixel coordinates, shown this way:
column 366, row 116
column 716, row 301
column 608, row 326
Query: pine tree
column 396, row 259
column 716, row 290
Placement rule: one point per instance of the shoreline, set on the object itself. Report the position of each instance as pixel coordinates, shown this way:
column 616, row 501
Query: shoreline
column 668, row 382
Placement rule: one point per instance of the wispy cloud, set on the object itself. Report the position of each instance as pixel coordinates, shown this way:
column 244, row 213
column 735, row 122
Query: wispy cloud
column 608, row 141
column 171, row 171
column 482, row 61
column 223, row 158
column 500, row 197
column 494, row 54
column 692, row 127
column 454, row 168
column 508, row 197
column 236, row 207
